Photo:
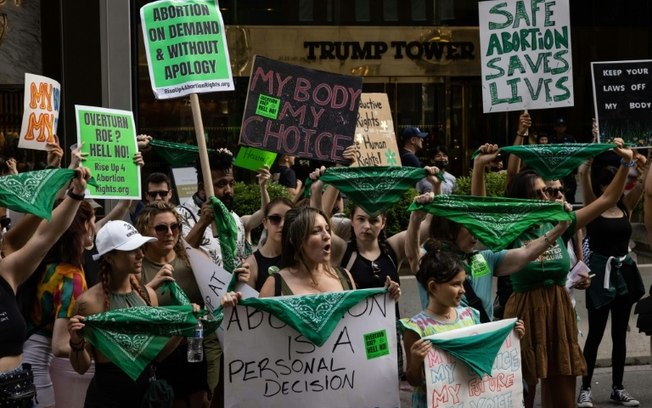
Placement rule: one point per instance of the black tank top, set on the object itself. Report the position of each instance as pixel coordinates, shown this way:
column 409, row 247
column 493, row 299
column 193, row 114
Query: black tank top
column 12, row 324
column 263, row 267
column 371, row 274
column 610, row 236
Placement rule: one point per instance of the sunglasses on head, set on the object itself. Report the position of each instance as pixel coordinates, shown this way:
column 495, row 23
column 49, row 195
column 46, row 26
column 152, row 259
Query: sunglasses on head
column 163, row 228
column 275, row 219
column 154, row 194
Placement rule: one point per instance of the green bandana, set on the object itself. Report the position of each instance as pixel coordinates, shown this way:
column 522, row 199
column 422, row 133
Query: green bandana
column 555, row 161
column 477, row 351
column 314, row 316
column 34, row 192
column 495, row 221
column 374, row 189
column 132, row 338
column 228, row 230
column 176, row 154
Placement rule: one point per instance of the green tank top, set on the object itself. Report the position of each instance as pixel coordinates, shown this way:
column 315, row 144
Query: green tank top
column 125, row 300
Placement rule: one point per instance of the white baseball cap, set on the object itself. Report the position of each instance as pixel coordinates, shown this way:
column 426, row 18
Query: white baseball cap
column 118, row 235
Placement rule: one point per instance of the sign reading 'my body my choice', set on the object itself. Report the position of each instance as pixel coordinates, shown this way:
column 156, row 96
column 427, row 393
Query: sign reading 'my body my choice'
column 108, row 136
column 526, row 54
column 41, row 112
column 622, row 93
column 186, row 48
column 300, row 112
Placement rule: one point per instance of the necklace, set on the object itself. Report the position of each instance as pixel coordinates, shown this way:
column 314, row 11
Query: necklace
column 445, row 315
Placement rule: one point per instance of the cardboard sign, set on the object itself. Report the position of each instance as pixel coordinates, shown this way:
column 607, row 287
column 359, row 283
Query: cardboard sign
column 300, row 112
column 526, row 54
column 254, row 159
column 622, row 95
column 450, row 382
column 185, row 182
column 268, row 364
column 41, row 112
column 108, row 136
column 186, row 48
column 374, row 133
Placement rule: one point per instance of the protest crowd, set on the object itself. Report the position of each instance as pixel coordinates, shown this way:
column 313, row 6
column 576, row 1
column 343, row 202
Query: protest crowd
column 151, row 299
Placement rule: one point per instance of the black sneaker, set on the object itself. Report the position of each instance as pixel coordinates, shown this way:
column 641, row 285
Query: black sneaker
column 623, row 398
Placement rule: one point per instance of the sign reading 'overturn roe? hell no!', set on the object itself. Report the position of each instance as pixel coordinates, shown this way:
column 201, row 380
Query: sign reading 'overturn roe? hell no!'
column 300, row 112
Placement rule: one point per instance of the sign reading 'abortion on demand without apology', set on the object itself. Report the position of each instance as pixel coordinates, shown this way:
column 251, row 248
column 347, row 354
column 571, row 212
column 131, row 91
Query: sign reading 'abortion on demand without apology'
column 526, row 54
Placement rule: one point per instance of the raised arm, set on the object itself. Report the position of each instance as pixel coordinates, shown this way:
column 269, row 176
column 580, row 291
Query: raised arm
column 17, row 267
column 613, row 192
column 488, row 154
column 254, row 220
column 514, row 162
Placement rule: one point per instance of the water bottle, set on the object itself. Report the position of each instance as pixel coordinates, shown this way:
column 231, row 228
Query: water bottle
column 196, row 344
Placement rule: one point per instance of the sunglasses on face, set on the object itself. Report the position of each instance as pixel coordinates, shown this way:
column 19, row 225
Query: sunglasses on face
column 275, row 219
column 163, row 228
column 541, row 194
column 552, row 191
column 154, row 194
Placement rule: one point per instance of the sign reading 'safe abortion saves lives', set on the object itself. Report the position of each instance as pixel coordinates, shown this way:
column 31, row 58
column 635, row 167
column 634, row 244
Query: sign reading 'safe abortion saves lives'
column 526, row 54
column 300, row 112
column 185, row 43
column 108, row 136
column 622, row 93
column 269, row 364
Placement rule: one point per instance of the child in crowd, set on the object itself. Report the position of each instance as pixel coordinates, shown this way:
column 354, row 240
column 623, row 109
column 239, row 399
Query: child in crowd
column 442, row 274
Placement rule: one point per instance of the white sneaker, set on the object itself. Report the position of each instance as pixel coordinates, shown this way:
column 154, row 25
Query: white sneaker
column 584, row 400
column 623, row 398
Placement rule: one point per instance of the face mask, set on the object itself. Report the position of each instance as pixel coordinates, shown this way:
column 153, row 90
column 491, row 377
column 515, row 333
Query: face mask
column 441, row 164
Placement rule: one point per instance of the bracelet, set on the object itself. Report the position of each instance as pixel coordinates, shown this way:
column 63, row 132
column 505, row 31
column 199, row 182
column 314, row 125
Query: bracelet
column 74, row 196
column 627, row 164
column 545, row 238
column 520, row 134
column 77, row 346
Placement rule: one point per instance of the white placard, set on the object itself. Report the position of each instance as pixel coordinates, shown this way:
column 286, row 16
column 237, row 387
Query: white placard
column 450, row 382
column 525, row 47
column 41, row 112
column 269, row 364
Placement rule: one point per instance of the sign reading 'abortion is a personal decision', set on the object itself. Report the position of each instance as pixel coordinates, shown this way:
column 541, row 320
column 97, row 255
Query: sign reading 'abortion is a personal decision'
column 185, row 43
column 526, row 54
column 300, row 112
column 269, row 364
column 623, row 101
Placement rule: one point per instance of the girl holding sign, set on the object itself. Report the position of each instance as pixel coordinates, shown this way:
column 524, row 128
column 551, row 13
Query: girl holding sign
column 442, row 274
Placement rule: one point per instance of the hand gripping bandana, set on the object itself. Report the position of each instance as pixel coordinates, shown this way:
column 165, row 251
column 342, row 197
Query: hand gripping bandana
column 374, row 189
column 495, row 221
column 555, row 161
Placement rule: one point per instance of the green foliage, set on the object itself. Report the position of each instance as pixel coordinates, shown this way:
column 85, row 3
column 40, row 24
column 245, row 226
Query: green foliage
column 494, row 181
column 398, row 216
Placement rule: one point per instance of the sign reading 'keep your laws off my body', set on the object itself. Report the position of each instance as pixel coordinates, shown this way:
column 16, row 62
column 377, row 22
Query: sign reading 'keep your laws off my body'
column 526, row 54
column 300, row 112
column 622, row 93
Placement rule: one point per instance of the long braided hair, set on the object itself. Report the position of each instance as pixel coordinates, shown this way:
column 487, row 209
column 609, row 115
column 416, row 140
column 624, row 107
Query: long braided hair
column 105, row 279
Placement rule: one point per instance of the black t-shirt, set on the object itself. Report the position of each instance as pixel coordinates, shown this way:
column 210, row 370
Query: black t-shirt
column 12, row 324
column 287, row 177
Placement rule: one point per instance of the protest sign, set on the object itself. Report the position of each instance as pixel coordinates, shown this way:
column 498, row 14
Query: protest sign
column 186, row 49
column 622, row 96
column 526, row 54
column 451, row 382
column 254, row 159
column 41, row 112
column 374, row 133
column 185, row 182
column 300, row 112
column 212, row 279
column 269, row 364
column 108, row 136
